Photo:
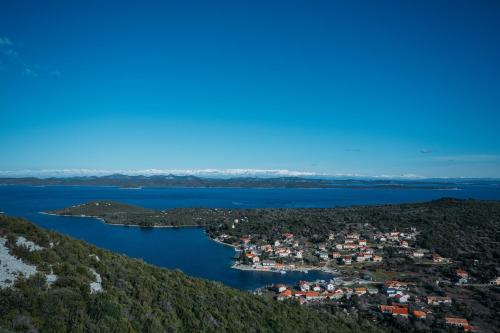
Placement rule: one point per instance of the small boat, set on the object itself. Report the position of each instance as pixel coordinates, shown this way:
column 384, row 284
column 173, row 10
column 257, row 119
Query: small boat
column 282, row 272
column 306, row 272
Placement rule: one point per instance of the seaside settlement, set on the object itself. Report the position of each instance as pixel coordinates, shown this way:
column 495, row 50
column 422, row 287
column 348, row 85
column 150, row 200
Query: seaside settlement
column 362, row 283
column 428, row 267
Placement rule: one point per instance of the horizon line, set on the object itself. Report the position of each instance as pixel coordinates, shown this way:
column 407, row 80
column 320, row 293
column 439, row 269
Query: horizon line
column 212, row 172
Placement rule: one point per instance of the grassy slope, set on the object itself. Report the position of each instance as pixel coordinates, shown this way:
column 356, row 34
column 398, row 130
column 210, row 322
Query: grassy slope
column 138, row 297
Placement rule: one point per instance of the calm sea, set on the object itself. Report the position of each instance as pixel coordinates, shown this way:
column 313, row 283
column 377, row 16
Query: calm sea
column 188, row 249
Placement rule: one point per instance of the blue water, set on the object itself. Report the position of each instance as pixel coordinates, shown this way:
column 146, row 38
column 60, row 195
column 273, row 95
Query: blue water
column 188, row 249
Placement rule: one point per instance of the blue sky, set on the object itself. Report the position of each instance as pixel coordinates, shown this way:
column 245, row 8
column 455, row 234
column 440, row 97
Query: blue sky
column 334, row 87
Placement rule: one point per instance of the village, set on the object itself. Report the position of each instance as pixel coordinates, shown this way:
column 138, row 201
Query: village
column 288, row 252
column 343, row 253
column 391, row 299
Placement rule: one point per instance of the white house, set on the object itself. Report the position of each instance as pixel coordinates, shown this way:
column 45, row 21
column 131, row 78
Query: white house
column 418, row 254
column 402, row 298
column 269, row 263
column 335, row 255
column 280, row 288
column 304, row 286
column 323, row 255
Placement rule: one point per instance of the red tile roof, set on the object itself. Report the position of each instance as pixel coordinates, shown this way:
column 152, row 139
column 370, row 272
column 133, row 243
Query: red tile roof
column 456, row 321
column 286, row 293
column 400, row 311
column 419, row 314
column 386, row 308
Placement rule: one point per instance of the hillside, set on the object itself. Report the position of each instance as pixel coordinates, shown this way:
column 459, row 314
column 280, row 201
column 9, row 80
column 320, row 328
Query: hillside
column 65, row 294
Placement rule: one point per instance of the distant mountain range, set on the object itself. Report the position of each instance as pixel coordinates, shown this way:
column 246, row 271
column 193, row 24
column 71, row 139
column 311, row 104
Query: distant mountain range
column 128, row 181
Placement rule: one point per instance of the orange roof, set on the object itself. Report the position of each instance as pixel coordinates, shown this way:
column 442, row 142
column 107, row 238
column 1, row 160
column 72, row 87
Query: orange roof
column 419, row 314
column 312, row 294
column 386, row 308
column 400, row 311
column 456, row 321
column 390, row 283
column 286, row 293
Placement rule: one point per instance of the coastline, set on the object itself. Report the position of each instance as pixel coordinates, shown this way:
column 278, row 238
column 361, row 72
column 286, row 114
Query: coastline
column 274, row 187
column 139, row 226
column 302, row 269
column 123, row 224
column 222, row 243
column 235, row 265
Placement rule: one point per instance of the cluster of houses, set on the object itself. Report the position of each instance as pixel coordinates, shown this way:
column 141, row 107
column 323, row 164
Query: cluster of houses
column 397, row 291
column 319, row 291
column 403, row 311
column 352, row 248
column 287, row 252
column 403, row 241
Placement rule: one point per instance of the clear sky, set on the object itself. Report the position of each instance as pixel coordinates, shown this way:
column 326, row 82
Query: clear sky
column 350, row 87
